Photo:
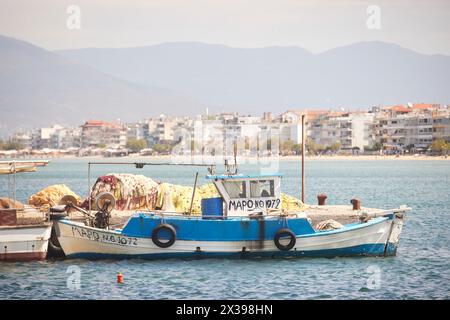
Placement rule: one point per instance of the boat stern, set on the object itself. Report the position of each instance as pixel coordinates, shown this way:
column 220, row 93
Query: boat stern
column 24, row 242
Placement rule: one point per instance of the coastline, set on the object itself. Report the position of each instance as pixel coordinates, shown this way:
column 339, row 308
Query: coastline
column 245, row 158
column 370, row 157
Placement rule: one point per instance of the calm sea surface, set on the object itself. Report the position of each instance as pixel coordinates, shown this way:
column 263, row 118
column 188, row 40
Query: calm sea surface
column 420, row 270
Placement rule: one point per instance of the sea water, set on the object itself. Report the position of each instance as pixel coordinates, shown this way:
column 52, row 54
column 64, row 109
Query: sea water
column 421, row 269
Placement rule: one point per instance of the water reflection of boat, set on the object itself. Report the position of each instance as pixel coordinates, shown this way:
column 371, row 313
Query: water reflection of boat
column 245, row 221
column 21, row 239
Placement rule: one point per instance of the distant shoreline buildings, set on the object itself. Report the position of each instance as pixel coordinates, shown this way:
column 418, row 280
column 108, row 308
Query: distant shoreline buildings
column 394, row 129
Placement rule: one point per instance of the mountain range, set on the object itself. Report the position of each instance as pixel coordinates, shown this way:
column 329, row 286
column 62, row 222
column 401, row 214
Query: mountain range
column 41, row 87
column 277, row 78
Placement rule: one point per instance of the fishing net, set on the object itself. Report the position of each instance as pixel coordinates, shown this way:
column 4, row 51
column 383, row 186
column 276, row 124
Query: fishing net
column 51, row 195
column 178, row 198
column 6, row 203
column 329, row 224
column 290, row 203
column 133, row 192
column 130, row 191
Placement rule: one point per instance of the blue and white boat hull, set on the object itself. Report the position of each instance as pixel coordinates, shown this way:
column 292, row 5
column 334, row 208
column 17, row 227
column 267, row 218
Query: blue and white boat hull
column 211, row 238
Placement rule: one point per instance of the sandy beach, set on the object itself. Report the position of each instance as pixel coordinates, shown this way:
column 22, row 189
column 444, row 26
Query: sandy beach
column 369, row 157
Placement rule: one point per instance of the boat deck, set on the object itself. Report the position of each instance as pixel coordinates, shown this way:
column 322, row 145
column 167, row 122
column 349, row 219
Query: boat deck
column 26, row 216
column 26, row 226
column 343, row 214
column 30, row 215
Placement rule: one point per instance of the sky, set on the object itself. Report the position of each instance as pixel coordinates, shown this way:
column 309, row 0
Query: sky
column 316, row 25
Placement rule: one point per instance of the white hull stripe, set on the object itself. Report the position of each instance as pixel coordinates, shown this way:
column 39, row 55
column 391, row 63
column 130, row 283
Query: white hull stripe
column 110, row 243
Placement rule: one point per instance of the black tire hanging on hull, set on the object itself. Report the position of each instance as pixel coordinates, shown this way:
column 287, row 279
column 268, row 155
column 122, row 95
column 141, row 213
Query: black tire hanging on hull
column 168, row 228
column 54, row 247
column 282, row 233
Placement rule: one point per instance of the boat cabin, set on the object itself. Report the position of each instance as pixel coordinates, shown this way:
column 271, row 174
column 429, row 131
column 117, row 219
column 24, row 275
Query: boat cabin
column 245, row 194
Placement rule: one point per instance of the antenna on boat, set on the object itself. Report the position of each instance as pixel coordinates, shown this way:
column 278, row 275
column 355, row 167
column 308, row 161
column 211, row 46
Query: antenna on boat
column 231, row 169
column 235, row 155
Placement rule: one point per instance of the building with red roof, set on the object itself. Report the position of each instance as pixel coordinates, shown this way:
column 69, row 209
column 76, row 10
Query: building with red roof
column 97, row 133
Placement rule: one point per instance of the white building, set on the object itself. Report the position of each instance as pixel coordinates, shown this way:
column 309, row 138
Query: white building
column 101, row 133
column 163, row 129
column 66, row 138
column 45, row 138
column 403, row 128
column 135, row 131
column 441, row 124
column 290, row 132
column 23, row 139
column 351, row 130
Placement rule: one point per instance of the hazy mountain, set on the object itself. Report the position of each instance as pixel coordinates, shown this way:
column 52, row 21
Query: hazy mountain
column 276, row 78
column 39, row 87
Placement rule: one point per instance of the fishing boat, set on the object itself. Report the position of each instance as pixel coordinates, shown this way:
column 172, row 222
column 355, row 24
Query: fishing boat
column 21, row 239
column 246, row 220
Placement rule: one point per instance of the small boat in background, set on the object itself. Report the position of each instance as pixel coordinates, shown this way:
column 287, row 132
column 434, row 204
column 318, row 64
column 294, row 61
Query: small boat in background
column 21, row 239
column 24, row 242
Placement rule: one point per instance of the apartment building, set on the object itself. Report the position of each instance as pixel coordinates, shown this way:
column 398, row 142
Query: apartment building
column 96, row 133
column 135, row 131
column 66, row 138
column 401, row 127
column 162, row 129
column 352, row 130
column 44, row 138
column 290, row 124
column 441, row 124
column 22, row 139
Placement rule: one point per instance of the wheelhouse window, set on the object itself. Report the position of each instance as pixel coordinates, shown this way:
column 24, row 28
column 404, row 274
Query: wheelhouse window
column 235, row 189
column 262, row 188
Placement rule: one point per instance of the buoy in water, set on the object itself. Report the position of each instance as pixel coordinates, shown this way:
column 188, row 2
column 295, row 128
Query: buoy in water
column 119, row 278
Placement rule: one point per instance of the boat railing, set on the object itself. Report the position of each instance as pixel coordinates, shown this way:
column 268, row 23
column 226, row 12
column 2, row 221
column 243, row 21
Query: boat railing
column 365, row 215
column 174, row 214
column 282, row 214
column 386, row 211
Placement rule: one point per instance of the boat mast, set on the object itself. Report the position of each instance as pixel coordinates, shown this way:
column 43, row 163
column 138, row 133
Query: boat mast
column 303, row 158
column 11, row 168
column 193, row 193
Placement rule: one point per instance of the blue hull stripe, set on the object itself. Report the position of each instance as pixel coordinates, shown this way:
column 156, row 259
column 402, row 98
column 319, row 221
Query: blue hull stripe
column 361, row 250
column 197, row 229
